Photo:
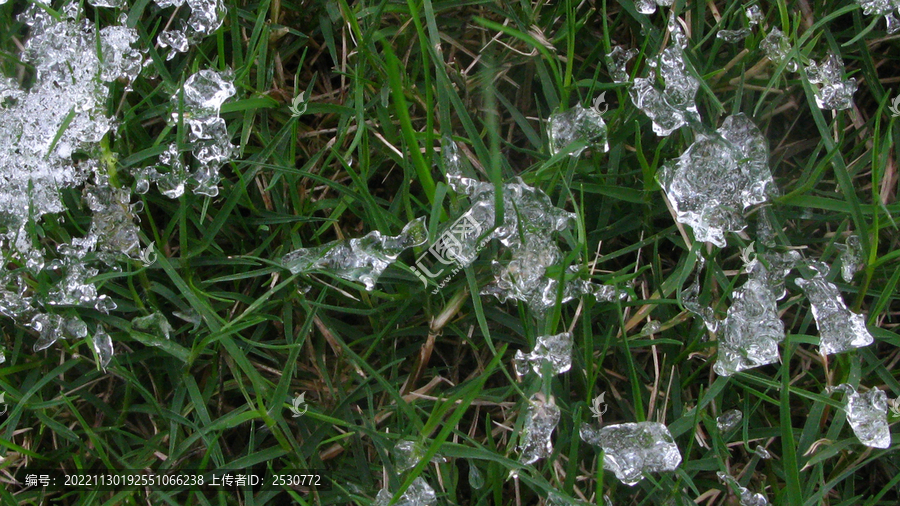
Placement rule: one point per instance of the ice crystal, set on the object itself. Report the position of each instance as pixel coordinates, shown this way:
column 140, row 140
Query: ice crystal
column 751, row 330
column 732, row 36
column 617, row 61
column 363, row 259
column 631, row 449
column 867, row 415
column 540, row 421
column 671, row 106
column 553, row 350
column 176, row 39
column 578, row 124
column 834, row 92
column 778, row 48
column 840, row 329
column 747, row 497
column 649, row 6
column 103, row 346
column 851, row 257
column 717, row 178
column 52, row 328
column 762, row 452
column 754, row 15
column 419, row 493
column 729, row 420
column 155, row 323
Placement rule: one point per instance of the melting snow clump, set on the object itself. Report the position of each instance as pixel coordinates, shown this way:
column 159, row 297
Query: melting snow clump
column 834, row 92
column 717, row 178
column 631, row 449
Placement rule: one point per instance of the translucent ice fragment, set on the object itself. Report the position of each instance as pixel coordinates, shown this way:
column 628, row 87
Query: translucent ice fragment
column 762, row 452
column 631, row 449
column 617, row 61
column 778, row 48
column 119, row 59
column 751, row 330
column 206, row 16
column 772, row 269
column 204, row 93
column 362, row 259
column 2, row 357
column 834, row 92
column 540, row 421
column 747, row 497
column 717, row 178
column 176, row 39
column 690, row 297
column 651, row 327
column 171, row 183
column 732, row 36
column 878, row 6
column 419, row 493
column 867, row 415
column 851, row 257
column 103, row 346
column 578, row 124
column 53, row 327
column 840, row 329
column 729, row 420
column 169, row 3
column 407, row 453
column 554, row 350
column 113, row 221
column 754, row 15
column 476, row 479
column 649, row 6
column 155, row 323
column 672, row 106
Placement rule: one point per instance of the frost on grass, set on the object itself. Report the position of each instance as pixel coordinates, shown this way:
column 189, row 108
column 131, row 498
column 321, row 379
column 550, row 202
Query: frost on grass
column 840, row 329
column 631, row 449
column 851, row 257
column 419, row 493
column 747, row 497
column 578, row 124
column 729, row 420
column 617, row 62
column 529, row 222
column 553, row 350
column 717, row 177
column 833, row 91
column 867, row 415
column 778, row 48
column 671, row 106
column 363, row 259
column 540, row 421
column 886, row 8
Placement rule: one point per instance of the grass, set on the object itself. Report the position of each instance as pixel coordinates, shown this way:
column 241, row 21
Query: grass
column 385, row 81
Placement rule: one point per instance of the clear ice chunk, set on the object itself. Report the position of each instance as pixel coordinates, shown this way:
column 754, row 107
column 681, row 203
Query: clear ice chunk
column 673, row 106
column 407, row 453
column 617, row 62
column 747, row 497
column 717, row 177
column 631, row 449
column 554, row 350
column 729, row 420
column 476, row 479
column 867, row 415
column 419, row 493
column 577, row 125
column 834, row 92
column 754, row 14
column 363, row 259
column 541, row 419
column 751, row 330
column 206, row 16
column 155, row 323
column 778, row 47
column 649, row 6
column 204, row 94
column 840, row 329
column 52, row 328
column 851, row 257
column 732, row 36
column 176, row 39
column 879, row 7
column 163, row 4
column 103, row 346
column 762, row 452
